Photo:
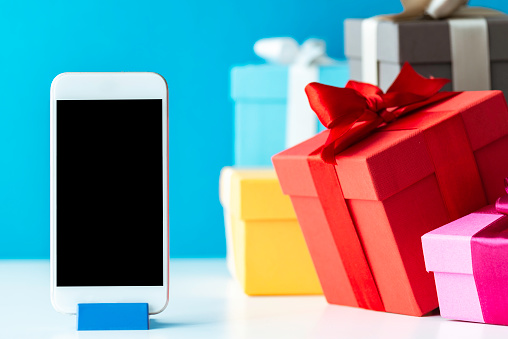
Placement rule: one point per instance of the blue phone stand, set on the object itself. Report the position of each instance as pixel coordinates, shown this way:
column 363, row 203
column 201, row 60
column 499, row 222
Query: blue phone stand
column 115, row 316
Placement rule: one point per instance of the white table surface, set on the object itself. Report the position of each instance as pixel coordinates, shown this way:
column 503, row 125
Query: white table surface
column 206, row 303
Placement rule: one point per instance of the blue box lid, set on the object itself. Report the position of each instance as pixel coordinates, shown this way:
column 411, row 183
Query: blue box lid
column 270, row 82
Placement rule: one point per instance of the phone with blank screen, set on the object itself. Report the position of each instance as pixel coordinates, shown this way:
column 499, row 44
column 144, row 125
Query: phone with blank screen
column 109, row 190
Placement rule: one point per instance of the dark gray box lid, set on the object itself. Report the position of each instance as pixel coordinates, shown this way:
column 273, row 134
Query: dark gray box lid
column 423, row 41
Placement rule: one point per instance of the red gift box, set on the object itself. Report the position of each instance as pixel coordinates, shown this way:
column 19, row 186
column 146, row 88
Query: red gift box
column 363, row 216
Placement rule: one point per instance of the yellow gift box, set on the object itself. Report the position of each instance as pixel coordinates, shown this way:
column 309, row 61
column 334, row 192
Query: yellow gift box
column 266, row 249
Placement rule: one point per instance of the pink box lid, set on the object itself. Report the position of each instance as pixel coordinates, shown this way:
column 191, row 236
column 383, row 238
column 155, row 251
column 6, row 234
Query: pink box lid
column 448, row 248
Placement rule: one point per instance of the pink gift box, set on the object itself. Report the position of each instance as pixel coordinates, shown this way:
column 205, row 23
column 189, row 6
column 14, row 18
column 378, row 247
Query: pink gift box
column 469, row 258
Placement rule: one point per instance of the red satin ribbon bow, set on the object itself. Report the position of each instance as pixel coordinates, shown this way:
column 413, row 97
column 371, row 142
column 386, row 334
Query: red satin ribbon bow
column 353, row 112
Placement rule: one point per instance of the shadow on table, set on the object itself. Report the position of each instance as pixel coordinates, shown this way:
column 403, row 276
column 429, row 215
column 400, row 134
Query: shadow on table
column 358, row 323
column 155, row 324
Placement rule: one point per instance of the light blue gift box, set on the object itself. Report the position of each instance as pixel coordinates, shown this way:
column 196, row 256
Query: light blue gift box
column 260, row 96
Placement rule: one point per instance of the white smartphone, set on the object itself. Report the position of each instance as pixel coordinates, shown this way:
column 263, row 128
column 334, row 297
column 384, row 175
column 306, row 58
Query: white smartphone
column 109, row 190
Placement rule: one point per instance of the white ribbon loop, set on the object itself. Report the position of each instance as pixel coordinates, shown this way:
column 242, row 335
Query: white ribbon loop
column 286, row 51
column 281, row 51
column 438, row 9
column 313, row 52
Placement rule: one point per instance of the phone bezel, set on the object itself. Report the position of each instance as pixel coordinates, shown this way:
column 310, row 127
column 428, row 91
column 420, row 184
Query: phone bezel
column 104, row 86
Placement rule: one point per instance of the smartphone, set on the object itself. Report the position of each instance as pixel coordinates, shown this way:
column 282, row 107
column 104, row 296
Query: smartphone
column 109, row 190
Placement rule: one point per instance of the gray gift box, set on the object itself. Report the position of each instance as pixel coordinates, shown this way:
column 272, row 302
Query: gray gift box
column 425, row 44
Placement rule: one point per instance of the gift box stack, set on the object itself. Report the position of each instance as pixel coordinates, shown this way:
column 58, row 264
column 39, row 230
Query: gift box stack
column 395, row 165
column 266, row 251
column 418, row 156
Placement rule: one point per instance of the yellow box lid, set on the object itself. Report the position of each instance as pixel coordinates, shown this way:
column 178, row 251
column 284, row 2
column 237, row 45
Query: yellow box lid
column 254, row 194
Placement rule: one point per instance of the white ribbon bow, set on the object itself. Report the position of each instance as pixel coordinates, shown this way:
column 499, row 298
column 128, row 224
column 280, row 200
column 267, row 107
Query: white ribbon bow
column 437, row 9
column 286, row 51
column 440, row 9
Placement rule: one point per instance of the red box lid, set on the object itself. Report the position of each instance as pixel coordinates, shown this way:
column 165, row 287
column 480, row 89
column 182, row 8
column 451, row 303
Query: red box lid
column 397, row 156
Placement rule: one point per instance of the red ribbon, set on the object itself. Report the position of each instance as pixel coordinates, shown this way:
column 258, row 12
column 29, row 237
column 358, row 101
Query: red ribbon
column 353, row 112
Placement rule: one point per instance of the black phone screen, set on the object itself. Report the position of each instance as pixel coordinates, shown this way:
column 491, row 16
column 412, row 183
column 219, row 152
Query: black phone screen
column 109, row 193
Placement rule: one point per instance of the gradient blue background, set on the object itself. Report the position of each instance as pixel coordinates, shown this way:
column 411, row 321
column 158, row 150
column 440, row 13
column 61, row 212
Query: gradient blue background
column 192, row 43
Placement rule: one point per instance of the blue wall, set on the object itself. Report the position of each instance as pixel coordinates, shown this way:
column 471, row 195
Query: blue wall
column 192, row 43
